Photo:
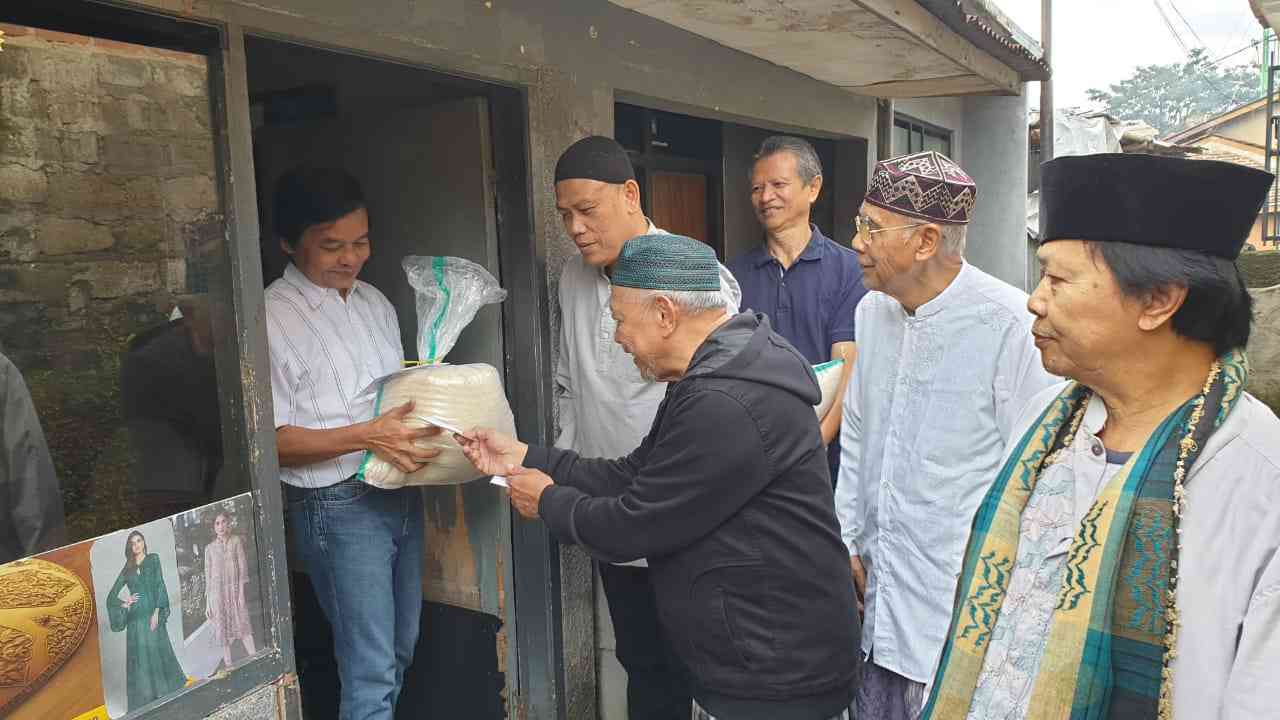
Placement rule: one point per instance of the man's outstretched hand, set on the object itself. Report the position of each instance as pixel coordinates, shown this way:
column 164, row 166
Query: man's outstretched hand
column 492, row 452
column 526, row 486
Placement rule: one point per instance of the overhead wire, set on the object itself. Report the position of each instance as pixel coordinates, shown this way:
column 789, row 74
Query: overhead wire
column 1169, row 25
column 1229, row 97
column 1182, row 17
column 1230, row 55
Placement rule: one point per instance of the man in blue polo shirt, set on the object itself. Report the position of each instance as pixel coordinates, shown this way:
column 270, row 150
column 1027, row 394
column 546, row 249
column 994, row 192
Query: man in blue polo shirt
column 806, row 284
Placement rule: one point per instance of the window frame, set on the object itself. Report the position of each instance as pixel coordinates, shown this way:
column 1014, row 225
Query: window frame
column 245, row 386
column 923, row 130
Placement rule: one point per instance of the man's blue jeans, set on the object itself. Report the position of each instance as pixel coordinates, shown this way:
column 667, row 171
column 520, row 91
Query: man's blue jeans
column 362, row 547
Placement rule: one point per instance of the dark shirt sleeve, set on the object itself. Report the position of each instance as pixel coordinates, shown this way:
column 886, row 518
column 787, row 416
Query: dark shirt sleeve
column 840, row 324
column 704, row 465
column 597, row 477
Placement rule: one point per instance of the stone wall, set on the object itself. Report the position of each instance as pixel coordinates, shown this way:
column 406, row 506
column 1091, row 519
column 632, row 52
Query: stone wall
column 108, row 211
column 1264, row 346
column 106, row 178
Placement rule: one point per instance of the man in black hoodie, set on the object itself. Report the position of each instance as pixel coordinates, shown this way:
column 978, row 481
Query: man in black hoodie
column 729, row 495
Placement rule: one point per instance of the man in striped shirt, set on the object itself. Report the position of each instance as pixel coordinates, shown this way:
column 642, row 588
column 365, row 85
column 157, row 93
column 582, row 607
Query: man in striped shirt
column 330, row 336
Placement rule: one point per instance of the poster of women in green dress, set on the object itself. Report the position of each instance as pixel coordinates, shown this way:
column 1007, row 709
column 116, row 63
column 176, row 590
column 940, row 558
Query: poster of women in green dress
column 136, row 579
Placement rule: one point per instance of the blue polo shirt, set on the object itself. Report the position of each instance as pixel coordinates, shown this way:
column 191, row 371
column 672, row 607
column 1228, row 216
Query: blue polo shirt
column 810, row 303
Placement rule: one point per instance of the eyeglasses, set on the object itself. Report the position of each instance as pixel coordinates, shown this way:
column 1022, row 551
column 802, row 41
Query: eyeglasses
column 862, row 226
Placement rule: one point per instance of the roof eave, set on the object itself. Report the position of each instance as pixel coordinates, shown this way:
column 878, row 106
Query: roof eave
column 1204, row 127
column 982, row 23
column 1267, row 13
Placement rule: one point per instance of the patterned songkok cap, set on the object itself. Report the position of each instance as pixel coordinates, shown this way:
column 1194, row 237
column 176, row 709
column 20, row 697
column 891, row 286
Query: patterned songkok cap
column 927, row 185
column 667, row 262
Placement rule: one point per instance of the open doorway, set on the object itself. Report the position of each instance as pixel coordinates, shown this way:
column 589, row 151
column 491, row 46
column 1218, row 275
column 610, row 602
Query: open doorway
column 694, row 176
column 422, row 145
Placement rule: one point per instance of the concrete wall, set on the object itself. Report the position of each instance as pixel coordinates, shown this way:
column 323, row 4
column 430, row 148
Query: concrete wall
column 995, row 130
column 574, row 59
column 989, row 140
column 1250, row 128
column 1264, row 346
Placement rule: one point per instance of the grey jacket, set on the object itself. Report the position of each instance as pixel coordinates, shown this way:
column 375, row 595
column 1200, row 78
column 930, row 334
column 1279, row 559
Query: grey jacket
column 31, row 519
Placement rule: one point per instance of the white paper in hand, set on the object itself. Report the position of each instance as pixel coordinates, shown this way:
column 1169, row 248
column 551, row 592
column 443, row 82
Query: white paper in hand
column 498, row 480
column 433, row 420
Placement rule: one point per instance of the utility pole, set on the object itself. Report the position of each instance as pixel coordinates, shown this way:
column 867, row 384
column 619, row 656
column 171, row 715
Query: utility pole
column 1046, row 128
column 1046, row 86
column 884, row 130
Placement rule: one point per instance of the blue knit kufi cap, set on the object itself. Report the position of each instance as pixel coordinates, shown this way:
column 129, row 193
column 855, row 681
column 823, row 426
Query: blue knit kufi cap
column 667, row 262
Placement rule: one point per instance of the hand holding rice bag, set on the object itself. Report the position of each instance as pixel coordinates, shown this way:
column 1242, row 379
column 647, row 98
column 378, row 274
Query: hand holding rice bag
column 449, row 291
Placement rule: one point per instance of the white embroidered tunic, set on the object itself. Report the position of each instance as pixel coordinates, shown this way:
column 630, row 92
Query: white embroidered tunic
column 927, row 416
column 1228, row 594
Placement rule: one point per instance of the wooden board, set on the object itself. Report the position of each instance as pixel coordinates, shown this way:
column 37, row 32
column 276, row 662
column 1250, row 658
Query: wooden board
column 678, row 203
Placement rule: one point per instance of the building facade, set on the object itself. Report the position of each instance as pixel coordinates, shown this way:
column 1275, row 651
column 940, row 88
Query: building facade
column 138, row 145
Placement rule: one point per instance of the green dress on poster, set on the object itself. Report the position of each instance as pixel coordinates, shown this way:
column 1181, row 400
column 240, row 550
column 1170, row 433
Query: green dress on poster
column 152, row 670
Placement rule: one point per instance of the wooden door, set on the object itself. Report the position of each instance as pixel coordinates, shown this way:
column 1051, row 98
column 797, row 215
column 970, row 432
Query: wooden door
column 678, row 203
column 426, row 174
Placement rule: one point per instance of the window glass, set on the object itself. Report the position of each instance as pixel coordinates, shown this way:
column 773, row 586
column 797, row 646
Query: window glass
column 901, row 139
column 937, row 142
column 114, row 331
column 114, row 291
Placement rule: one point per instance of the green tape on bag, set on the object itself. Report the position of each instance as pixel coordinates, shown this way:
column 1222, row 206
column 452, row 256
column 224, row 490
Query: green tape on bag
column 828, row 365
column 368, row 455
column 437, row 266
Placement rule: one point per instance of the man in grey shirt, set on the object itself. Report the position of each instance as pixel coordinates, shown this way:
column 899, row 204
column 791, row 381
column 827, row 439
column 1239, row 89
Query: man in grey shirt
column 30, row 503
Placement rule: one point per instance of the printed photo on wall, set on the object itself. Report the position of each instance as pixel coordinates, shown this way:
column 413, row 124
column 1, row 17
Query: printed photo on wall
column 221, row 600
column 49, row 668
column 135, row 578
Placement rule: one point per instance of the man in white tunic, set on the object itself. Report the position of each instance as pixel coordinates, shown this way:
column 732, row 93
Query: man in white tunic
column 945, row 363
column 1124, row 563
column 605, row 407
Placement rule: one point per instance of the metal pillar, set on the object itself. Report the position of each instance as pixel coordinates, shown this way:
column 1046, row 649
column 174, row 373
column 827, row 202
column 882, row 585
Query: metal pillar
column 1046, row 86
column 1270, row 233
column 884, row 130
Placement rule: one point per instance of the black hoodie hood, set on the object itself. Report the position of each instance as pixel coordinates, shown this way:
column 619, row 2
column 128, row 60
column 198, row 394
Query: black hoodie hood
column 747, row 348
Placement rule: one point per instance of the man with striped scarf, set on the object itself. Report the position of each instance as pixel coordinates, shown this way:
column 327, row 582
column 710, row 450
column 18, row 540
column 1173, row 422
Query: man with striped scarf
column 1124, row 563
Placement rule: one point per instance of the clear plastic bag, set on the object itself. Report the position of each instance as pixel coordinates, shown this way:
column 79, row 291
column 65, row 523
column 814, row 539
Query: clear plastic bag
column 450, row 291
column 828, row 374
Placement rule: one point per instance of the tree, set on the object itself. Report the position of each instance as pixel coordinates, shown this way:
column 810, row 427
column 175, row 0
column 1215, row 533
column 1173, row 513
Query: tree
column 1169, row 97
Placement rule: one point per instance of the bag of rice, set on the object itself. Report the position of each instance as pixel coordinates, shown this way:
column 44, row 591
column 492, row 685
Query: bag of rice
column 829, row 381
column 449, row 292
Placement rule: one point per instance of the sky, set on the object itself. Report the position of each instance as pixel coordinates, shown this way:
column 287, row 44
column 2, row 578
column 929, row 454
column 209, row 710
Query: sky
column 1100, row 42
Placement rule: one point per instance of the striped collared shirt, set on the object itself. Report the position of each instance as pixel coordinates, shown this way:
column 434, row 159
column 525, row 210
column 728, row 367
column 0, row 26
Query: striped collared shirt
column 324, row 351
